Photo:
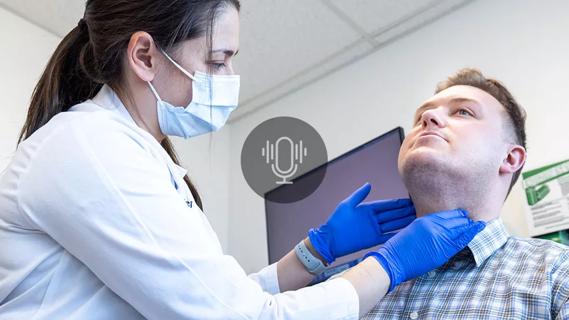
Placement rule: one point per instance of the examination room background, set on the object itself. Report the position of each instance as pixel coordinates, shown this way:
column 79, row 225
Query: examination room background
column 522, row 43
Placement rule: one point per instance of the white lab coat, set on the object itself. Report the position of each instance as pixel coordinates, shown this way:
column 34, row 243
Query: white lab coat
column 95, row 224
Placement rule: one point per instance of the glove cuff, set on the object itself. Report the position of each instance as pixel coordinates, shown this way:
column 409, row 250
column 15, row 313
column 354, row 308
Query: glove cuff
column 321, row 245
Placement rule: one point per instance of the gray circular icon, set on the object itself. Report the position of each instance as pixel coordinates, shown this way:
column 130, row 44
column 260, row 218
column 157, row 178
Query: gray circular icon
column 284, row 159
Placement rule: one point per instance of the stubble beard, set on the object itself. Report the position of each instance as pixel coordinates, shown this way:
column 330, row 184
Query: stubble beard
column 443, row 183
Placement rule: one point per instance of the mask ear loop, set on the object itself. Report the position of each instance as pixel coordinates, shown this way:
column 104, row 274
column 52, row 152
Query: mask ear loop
column 178, row 66
column 154, row 91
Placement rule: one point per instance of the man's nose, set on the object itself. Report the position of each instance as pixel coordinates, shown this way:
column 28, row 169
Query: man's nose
column 432, row 118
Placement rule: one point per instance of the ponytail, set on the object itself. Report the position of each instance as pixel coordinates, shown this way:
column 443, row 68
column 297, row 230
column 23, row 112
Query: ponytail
column 63, row 83
column 72, row 76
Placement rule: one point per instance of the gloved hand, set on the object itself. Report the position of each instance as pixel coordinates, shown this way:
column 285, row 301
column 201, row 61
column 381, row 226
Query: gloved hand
column 427, row 243
column 354, row 226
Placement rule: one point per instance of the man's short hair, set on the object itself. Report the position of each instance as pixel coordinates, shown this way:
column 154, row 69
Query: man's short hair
column 516, row 114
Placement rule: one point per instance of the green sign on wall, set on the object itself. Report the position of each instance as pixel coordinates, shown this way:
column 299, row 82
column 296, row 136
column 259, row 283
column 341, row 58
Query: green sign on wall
column 547, row 198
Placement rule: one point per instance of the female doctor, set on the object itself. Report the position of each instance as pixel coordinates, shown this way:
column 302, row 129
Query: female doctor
column 98, row 220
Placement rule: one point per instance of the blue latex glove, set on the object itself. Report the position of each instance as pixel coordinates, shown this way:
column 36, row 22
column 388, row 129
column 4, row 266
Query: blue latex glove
column 427, row 243
column 354, row 226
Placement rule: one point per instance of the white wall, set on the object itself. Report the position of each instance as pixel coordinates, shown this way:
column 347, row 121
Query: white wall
column 522, row 43
column 25, row 51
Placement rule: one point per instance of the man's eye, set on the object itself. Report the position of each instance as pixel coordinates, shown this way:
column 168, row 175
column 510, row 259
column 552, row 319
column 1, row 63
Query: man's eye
column 465, row 112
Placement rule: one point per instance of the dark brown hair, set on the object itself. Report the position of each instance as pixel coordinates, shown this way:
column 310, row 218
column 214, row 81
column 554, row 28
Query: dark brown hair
column 91, row 54
column 516, row 114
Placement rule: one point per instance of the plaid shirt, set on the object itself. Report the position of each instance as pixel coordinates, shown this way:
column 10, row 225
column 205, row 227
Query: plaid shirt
column 495, row 277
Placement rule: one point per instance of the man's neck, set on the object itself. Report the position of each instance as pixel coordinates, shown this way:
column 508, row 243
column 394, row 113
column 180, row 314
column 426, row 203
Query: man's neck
column 481, row 203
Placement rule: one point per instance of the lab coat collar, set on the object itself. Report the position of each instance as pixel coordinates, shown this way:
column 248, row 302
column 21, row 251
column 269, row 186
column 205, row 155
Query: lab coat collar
column 180, row 172
column 107, row 99
column 488, row 241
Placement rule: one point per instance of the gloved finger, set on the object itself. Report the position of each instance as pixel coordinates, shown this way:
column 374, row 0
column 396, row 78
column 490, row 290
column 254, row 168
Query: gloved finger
column 459, row 231
column 456, row 213
column 390, row 215
column 382, row 205
column 454, row 222
column 359, row 195
column 396, row 224
column 469, row 233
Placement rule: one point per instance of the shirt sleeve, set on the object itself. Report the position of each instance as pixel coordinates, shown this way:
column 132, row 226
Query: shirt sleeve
column 267, row 278
column 560, row 287
column 95, row 189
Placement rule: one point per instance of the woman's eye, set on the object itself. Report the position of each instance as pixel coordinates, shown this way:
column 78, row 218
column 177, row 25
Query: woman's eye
column 217, row 66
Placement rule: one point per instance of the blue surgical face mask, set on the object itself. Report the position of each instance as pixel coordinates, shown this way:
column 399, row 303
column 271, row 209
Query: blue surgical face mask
column 214, row 97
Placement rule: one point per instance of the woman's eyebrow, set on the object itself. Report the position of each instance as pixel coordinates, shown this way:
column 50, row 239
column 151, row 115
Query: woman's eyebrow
column 227, row 52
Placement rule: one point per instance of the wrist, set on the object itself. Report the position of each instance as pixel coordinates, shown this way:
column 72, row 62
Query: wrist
column 311, row 263
column 314, row 252
column 386, row 266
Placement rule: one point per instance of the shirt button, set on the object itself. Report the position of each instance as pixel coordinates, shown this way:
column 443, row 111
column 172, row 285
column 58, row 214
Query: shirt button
column 431, row 274
column 414, row 315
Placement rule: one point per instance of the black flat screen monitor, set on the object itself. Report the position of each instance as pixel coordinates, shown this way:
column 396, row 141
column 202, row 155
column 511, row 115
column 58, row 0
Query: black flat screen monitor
column 374, row 162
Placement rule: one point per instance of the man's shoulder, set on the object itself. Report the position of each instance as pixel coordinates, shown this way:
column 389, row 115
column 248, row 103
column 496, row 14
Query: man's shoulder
column 539, row 249
column 537, row 244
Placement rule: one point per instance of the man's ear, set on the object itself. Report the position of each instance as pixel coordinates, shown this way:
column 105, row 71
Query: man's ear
column 141, row 55
column 514, row 160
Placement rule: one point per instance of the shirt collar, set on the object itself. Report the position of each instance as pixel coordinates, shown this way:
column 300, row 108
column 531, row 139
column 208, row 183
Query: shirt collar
column 488, row 241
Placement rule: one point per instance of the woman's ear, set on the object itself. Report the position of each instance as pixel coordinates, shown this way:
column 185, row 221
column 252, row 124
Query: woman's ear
column 141, row 55
column 514, row 160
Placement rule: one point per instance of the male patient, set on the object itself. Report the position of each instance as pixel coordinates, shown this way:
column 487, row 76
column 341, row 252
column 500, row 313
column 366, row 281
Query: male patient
column 466, row 150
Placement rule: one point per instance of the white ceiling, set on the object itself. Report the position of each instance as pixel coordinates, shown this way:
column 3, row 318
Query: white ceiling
column 285, row 44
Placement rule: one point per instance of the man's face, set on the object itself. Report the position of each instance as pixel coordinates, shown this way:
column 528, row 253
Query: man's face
column 458, row 133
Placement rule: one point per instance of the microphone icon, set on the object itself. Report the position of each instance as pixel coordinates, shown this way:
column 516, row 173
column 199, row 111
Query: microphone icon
column 271, row 153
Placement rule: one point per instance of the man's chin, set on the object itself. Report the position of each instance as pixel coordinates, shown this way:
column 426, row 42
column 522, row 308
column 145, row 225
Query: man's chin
column 423, row 161
column 425, row 156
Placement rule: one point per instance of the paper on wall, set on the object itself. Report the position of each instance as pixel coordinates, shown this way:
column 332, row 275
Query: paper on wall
column 547, row 198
